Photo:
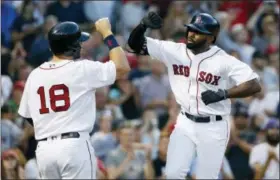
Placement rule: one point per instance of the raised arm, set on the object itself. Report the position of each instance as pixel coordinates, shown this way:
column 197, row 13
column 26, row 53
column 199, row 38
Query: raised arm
column 116, row 53
column 137, row 41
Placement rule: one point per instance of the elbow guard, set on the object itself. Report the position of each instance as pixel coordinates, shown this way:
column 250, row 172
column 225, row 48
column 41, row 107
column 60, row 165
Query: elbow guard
column 137, row 42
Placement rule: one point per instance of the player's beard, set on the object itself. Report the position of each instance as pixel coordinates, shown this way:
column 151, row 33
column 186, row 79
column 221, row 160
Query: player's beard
column 196, row 45
column 272, row 139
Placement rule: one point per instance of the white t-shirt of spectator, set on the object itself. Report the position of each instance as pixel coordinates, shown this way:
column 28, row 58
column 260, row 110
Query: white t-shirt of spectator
column 31, row 170
column 259, row 106
column 6, row 88
column 259, row 154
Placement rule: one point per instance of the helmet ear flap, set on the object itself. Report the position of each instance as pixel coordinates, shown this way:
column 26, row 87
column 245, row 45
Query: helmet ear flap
column 74, row 50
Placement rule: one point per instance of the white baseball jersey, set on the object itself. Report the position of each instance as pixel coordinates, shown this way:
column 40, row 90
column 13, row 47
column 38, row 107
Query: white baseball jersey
column 191, row 74
column 60, row 96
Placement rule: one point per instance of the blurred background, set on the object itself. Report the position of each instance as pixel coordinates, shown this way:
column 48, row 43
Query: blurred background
column 138, row 112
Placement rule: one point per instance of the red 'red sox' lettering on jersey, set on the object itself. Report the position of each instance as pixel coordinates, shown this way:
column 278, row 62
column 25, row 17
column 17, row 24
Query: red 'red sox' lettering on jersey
column 209, row 78
column 181, row 70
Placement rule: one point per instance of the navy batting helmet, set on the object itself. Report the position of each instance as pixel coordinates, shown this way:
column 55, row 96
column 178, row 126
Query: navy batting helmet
column 204, row 23
column 65, row 38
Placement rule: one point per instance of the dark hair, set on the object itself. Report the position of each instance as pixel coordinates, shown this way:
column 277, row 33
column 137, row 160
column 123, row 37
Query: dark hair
column 260, row 21
column 24, row 4
column 124, row 125
column 3, row 172
column 258, row 54
column 5, row 109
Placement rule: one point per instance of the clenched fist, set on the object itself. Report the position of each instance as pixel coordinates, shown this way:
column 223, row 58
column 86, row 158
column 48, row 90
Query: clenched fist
column 153, row 21
column 103, row 26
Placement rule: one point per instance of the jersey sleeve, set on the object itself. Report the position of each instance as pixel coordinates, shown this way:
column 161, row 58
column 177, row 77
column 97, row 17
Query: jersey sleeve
column 239, row 72
column 24, row 110
column 158, row 49
column 99, row 74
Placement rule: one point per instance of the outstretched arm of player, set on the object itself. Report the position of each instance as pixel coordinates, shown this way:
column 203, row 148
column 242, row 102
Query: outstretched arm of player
column 116, row 53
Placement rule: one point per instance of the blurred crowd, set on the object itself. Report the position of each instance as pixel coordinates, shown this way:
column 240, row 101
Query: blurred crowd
column 136, row 114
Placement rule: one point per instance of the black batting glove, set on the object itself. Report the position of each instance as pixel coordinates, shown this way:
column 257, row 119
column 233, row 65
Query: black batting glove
column 210, row 96
column 153, row 21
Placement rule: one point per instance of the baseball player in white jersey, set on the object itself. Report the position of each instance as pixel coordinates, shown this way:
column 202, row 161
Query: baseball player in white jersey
column 203, row 77
column 59, row 98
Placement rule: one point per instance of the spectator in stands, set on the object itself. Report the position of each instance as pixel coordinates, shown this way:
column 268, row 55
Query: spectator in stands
column 93, row 10
column 240, row 144
column 264, row 157
column 240, row 11
column 241, row 38
column 150, row 132
column 160, row 162
column 268, row 76
column 66, row 10
column 10, row 168
column 235, row 54
column 40, row 50
column 31, row 170
column 125, row 162
column 8, row 15
column 259, row 62
column 131, row 14
column 142, row 69
column 16, row 96
column 224, row 39
column 263, row 106
column 123, row 93
column 102, row 106
column 154, row 89
column 268, row 32
column 98, row 50
column 26, row 27
column 101, row 172
column 6, row 88
column 103, row 140
column 10, row 132
column 174, row 22
column 271, row 78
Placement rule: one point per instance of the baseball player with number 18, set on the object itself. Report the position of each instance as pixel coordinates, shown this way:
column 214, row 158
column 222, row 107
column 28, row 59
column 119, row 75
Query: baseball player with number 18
column 203, row 78
column 59, row 100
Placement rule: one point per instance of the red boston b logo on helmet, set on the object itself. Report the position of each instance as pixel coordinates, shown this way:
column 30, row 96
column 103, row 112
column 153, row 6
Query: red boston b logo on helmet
column 198, row 20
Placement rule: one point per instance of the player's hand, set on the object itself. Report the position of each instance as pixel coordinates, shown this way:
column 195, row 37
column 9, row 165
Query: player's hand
column 152, row 21
column 103, row 26
column 210, row 96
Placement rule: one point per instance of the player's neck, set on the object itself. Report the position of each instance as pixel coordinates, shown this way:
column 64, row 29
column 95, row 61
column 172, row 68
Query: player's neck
column 60, row 58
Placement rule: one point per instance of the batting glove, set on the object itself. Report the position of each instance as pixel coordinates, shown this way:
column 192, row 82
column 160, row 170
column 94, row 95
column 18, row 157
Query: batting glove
column 210, row 96
column 153, row 21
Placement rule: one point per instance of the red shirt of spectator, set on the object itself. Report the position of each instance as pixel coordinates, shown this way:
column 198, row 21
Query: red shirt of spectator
column 241, row 9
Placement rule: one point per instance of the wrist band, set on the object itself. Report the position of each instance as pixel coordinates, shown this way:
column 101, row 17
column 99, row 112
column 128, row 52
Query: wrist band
column 226, row 94
column 111, row 42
